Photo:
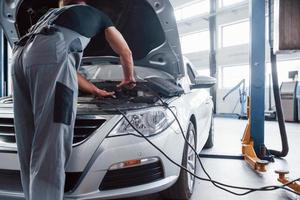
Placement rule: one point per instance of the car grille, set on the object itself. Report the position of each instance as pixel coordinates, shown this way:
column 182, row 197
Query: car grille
column 133, row 176
column 10, row 180
column 7, row 131
column 83, row 129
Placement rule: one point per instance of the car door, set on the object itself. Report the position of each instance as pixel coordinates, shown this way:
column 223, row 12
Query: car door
column 202, row 109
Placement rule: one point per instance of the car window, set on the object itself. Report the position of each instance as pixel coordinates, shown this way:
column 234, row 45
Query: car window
column 191, row 73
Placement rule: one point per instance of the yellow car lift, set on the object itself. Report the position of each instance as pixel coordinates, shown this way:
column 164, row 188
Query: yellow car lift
column 284, row 180
column 248, row 147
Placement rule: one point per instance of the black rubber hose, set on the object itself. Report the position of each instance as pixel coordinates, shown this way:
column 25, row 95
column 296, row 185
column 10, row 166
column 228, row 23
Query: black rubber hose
column 281, row 120
column 276, row 91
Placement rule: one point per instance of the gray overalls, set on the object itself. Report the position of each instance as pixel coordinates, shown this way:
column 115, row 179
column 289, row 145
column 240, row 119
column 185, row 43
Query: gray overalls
column 45, row 97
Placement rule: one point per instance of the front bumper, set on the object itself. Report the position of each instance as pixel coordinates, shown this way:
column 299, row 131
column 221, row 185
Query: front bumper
column 93, row 158
column 118, row 149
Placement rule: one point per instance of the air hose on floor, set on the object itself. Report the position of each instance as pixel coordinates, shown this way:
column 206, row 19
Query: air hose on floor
column 276, row 91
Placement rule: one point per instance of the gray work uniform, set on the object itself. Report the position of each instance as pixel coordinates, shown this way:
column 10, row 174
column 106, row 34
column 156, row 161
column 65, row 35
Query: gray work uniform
column 45, row 95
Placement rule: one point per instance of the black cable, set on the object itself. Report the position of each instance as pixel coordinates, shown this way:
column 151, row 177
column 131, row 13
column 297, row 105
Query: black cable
column 198, row 157
column 251, row 190
column 187, row 142
column 215, row 183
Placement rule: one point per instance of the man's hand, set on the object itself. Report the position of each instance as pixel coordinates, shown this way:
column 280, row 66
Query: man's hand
column 88, row 87
column 127, row 83
column 103, row 93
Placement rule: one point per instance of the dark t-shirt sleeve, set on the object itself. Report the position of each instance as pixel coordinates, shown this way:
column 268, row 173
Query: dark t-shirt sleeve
column 106, row 21
column 86, row 20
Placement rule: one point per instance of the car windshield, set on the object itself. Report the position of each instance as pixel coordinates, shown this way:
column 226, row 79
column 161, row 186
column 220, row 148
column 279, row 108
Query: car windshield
column 113, row 72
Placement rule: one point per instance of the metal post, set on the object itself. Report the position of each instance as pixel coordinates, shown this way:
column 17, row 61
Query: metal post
column 2, row 83
column 213, row 47
column 257, row 63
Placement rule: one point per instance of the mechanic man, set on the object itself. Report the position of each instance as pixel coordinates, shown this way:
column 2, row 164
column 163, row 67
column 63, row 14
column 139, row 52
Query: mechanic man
column 46, row 82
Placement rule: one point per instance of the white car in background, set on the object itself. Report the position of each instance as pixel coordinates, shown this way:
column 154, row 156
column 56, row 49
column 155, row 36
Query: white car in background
column 110, row 159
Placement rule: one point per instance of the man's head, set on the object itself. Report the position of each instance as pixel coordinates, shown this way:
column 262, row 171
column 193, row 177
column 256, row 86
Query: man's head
column 70, row 2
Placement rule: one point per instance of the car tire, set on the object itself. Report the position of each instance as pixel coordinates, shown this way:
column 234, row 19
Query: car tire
column 184, row 187
column 211, row 136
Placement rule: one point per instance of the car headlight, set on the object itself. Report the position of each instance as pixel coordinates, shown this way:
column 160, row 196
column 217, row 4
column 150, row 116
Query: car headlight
column 149, row 122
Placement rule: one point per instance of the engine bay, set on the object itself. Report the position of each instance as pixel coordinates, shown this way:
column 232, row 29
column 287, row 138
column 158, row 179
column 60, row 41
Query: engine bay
column 125, row 99
column 146, row 94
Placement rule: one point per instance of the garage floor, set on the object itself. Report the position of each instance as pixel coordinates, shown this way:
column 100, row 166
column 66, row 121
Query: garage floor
column 228, row 133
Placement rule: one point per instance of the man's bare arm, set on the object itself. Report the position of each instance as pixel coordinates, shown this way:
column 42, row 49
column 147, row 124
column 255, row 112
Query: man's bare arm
column 120, row 46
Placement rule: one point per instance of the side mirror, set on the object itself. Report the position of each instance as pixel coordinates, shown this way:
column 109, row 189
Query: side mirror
column 203, row 82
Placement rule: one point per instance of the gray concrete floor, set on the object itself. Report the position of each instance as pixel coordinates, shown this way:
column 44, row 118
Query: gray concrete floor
column 228, row 133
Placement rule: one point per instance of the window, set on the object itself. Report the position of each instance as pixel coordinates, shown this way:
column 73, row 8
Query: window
column 225, row 3
column 204, row 71
column 192, row 9
column 231, row 76
column 235, row 34
column 284, row 67
column 195, row 42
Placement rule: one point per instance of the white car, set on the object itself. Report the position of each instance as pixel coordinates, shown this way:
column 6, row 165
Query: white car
column 110, row 159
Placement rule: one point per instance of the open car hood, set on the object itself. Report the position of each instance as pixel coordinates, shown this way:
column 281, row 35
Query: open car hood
column 149, row 27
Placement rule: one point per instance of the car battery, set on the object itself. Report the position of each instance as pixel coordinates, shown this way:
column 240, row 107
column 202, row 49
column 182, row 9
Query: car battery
column 290, row 101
